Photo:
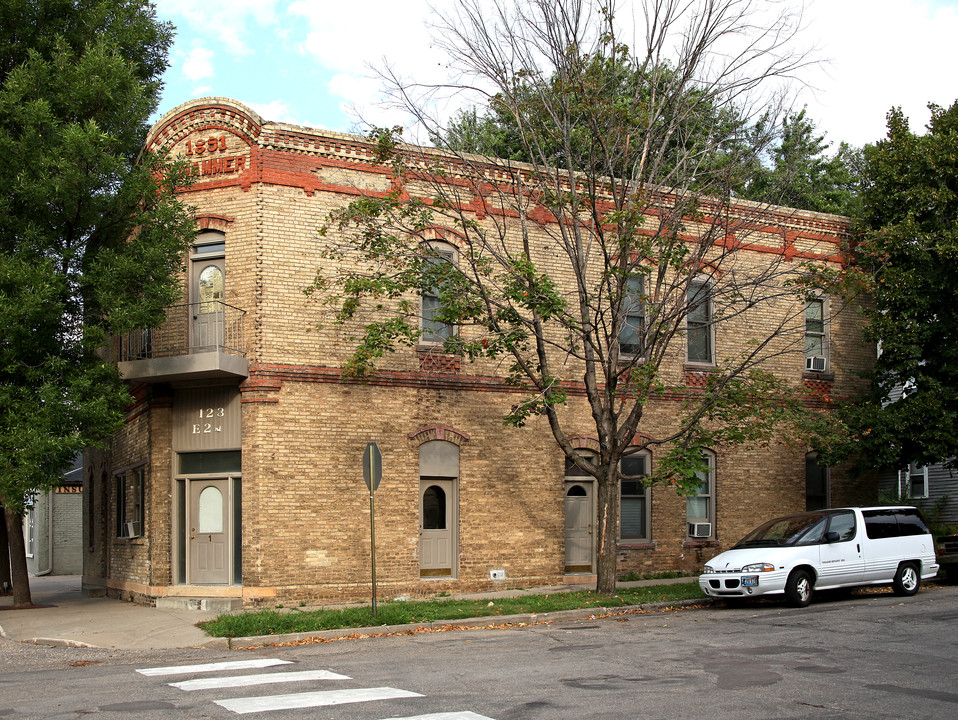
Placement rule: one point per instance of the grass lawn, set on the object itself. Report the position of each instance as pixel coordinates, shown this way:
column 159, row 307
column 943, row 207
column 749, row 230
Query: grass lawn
column 292, row 620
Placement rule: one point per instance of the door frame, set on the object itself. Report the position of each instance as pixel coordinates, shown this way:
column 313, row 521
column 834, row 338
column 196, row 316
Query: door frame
column 203, row 324
column 182, row 527
column 451, row 487
column 589, row 484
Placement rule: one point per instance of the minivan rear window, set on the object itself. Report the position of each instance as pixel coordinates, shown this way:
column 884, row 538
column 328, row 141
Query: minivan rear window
column 894, row 523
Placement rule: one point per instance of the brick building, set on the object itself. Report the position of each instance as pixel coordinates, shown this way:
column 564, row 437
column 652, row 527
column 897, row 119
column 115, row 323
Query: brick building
column 239, row 474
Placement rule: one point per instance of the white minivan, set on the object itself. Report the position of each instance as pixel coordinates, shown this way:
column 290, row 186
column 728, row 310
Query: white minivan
column 821, row 549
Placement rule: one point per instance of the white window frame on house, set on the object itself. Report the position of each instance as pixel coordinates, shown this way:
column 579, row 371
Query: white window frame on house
column 635, row 493
column 130, row 516
column 632, row 330
column 696, row 327
column 705, row 491
column 909, row 476
column 430, row 329
column 817, row 336
column 30, row 528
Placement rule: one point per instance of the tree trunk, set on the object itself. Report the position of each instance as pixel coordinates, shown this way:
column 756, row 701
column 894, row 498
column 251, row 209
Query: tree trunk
column 18, row 558
column 607, row 535
column 5, row 583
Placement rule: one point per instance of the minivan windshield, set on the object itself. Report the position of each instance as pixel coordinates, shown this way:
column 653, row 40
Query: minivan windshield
column 805, row 529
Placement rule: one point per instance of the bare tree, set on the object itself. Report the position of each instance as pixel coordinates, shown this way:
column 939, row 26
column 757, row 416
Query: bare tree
column 605, row 263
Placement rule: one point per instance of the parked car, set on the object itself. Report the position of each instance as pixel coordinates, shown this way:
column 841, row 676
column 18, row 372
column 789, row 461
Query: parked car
column 948, row 555
column 834, row 548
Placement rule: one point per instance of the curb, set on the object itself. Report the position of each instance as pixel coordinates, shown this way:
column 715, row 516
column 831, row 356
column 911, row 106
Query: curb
column 476, row 623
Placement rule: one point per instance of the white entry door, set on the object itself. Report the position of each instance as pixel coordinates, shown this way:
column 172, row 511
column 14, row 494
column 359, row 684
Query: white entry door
column 437, row 531
column 208, row 540
column 579, row 549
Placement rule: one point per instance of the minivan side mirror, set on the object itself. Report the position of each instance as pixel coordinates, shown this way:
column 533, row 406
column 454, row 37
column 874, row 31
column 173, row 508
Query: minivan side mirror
column 832, row 536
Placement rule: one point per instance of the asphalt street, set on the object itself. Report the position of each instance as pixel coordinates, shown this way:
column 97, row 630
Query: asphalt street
column 871, row 655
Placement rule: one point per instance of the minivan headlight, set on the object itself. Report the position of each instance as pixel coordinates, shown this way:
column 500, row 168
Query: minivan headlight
column 708, row 569
column 759, row 567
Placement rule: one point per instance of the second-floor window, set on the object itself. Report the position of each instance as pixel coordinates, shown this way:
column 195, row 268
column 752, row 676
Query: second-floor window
column 699, row 324
column 433, row 330
column 632, row 332
column 816, row 341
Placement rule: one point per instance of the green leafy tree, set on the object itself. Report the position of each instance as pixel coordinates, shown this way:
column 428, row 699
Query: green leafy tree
column 587, row 283
column 709, row 136
column 91, row 236
column 800, row 174
column 907, row 261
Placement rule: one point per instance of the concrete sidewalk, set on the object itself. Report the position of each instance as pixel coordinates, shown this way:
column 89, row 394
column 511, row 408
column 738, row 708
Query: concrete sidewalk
column 64, row 617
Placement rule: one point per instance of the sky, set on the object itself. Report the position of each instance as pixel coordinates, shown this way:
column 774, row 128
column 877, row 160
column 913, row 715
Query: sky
column 312, row 62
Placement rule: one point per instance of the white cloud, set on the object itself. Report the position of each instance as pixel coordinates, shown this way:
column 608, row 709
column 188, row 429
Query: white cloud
column 883, row 53
column 227, row 21
column 198, row 64
column 278, row 111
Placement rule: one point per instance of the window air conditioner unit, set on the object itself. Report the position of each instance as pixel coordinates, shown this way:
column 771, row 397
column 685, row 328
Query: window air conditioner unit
column 815, row 363
column 700, row 530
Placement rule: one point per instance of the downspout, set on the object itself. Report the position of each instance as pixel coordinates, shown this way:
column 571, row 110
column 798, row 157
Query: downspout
column 41, row 573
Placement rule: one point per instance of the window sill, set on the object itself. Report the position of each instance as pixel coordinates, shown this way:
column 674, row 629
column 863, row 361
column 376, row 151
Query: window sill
column 700, row 543
column 637, row 545
column 432, row 348
column 825, row 376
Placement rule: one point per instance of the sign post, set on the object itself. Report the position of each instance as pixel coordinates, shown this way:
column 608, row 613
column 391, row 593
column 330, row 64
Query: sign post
column 373, row 475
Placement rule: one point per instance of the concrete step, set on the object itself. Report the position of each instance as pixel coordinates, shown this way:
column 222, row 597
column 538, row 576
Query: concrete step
column 206, row 604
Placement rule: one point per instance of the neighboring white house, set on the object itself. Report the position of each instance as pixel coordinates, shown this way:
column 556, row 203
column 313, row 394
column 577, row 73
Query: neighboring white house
column 52, row 527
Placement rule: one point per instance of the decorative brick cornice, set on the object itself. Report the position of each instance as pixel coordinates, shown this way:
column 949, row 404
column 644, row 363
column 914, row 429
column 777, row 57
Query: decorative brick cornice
column 437, row 432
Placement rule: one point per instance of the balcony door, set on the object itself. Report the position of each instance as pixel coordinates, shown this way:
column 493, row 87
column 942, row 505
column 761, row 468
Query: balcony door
column 208, row 292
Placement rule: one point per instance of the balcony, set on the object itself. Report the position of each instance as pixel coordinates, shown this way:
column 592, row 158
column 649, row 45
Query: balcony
column 198, row 341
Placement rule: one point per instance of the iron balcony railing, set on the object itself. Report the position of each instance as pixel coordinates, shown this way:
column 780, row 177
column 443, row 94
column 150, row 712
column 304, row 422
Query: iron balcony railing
column 189, row 328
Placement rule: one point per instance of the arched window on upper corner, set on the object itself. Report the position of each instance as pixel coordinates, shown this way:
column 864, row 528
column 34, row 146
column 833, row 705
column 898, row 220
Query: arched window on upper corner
column 699, row 326
column 433, row 330
column 700, row 506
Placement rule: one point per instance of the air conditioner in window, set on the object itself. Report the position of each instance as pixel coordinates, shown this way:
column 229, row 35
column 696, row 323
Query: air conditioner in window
column 815, row 363
column 700, row 530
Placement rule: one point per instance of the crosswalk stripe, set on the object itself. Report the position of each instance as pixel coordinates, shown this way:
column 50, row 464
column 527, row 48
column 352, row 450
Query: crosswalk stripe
column 320, row 698
column 260, row 679
column 214, row 667
column 461, row 715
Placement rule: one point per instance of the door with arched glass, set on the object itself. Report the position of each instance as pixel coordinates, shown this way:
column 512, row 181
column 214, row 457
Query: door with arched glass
column 209, row 532
column 437, row 527
column 579, row 548
column 208, row 294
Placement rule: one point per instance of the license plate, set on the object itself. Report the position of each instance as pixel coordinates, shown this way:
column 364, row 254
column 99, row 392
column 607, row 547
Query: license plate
column 750, row 581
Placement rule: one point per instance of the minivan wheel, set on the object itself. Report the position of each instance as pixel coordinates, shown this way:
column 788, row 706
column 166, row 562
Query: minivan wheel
column 907, row 579
column 799, row 588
